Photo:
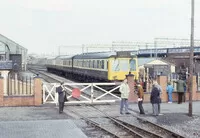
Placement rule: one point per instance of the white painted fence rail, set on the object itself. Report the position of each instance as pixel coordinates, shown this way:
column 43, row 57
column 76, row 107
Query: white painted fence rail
column 97, row 95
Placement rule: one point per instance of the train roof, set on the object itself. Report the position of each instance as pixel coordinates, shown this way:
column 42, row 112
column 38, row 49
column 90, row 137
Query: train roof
column 64, row 57
column 95, row 55
column 103, row 55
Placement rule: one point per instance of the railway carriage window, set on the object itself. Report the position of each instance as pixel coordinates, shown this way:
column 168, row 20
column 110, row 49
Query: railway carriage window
column 79, row 63
column 107, row 65
column 115, row 65
column 97, row 63
column 132, row 65
column 89, row 63
column 102, row 64
column 93, row 64
column 124, row 65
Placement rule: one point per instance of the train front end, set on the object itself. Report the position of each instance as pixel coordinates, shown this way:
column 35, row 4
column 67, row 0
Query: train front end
column 121, row 65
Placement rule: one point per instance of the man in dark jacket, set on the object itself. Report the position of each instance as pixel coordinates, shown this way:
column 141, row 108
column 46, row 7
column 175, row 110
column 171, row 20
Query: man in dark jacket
column 61, row 97
column 155, row 100
column 180, row 90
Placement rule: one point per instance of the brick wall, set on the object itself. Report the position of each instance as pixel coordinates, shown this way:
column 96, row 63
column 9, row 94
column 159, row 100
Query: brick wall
column 34, row 100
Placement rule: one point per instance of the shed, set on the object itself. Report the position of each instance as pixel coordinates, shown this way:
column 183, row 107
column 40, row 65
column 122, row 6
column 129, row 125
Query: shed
column 154, row 66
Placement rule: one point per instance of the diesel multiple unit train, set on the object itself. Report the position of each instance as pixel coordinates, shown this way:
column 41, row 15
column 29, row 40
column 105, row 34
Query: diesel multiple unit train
column 105, row 66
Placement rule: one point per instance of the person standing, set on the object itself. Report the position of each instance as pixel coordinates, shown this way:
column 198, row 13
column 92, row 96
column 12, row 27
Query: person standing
column 140, row 98
column 185, row 89
column 155, row 84
column 61, row 97
column 124, row 90
column 155, row 94
column 169, row 89
column 180, row 90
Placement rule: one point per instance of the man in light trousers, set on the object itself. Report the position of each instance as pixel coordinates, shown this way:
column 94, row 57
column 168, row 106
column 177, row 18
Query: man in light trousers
column 124, row 90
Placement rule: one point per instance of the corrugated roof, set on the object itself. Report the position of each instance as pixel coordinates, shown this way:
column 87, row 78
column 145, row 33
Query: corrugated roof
column 142, row 61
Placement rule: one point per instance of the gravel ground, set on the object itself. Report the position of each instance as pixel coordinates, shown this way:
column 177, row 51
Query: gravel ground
column 31, row 113
column 175, row 118
column 182, row 124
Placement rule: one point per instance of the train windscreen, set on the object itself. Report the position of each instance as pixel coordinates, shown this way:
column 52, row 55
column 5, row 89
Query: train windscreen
column 115, row 65
column 124, row 65
column 120, row 65
column 132, row 63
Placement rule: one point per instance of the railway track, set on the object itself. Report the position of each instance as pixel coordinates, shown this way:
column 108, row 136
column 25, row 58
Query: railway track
column 122, row 129
column 157, row 128
column 43, row 75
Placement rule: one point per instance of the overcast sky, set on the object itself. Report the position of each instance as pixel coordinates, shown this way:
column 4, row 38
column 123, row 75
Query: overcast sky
column 43, row 25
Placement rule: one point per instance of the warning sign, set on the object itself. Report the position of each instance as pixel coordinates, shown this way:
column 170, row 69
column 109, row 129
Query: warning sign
column 76, row 93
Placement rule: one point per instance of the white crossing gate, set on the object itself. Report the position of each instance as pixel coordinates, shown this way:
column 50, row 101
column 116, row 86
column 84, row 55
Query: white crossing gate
column 88, row 93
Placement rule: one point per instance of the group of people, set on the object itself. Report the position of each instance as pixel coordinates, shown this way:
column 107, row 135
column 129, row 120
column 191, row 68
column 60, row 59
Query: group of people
column 155, row 97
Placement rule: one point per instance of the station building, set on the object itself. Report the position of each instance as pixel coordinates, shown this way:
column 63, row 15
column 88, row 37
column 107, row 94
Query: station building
column 12, row 55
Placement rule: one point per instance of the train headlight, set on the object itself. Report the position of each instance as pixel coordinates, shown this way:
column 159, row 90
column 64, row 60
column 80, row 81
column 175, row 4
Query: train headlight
column 114, row 77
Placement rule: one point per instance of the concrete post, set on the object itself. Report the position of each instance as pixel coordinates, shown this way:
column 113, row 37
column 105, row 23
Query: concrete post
column 162, row 81
column 1, row 90
column 37, row 91
column 194, row 89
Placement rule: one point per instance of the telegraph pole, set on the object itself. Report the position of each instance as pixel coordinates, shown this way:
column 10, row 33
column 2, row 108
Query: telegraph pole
column 191, row 58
